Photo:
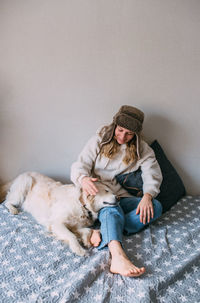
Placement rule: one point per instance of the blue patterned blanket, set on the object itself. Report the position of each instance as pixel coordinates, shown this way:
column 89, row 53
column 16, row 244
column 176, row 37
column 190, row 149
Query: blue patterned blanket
column 34, row 267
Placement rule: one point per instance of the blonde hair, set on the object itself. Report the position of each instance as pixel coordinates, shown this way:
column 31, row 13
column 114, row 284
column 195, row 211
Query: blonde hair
column 111, row 148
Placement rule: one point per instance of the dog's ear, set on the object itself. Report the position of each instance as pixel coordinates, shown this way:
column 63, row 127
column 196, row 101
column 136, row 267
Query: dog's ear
column 83, row 198
column 80, row 195
column 78, row 190
column 90, row 198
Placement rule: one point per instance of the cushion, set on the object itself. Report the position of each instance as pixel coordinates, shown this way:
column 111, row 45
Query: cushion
column 172, row 188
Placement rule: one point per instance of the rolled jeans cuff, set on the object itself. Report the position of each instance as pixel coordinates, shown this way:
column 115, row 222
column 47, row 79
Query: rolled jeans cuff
column 112, row 225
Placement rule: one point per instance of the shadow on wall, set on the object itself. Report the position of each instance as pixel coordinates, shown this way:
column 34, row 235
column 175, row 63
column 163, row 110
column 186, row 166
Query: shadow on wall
column 172, row 137
column 5, row 96
column 6, row 120
column 10, row 120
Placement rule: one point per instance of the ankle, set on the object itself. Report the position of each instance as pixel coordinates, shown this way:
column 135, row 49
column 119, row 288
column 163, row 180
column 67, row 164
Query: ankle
column 96, row 231
column 116, row 249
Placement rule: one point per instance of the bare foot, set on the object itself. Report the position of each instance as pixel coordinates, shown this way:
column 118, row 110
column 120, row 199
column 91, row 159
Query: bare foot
column 95, row 238
column 120, row 264
column 123, row 266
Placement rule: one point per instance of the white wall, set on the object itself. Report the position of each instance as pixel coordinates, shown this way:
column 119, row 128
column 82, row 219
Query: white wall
column 66, row 67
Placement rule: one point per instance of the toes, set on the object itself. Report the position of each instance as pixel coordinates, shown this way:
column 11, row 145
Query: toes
column 136, row 272
column 96, row 243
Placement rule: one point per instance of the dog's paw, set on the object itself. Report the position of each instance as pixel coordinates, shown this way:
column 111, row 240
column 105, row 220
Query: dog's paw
column 80, row 251
column 86, row 241
column 87, row 245
column 85, row 238
column 77, row 249
column 13, row 210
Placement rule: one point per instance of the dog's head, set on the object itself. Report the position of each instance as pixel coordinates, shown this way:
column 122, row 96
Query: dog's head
column 103, row 198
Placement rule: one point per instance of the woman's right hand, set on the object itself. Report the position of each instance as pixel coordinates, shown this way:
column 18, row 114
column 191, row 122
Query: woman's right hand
column 87, row 184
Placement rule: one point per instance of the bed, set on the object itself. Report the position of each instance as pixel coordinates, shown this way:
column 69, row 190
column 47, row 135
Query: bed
column 37, row 268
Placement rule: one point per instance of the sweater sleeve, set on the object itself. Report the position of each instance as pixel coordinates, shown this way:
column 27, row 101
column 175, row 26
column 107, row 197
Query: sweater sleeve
column 151, row 172
column 86, row 160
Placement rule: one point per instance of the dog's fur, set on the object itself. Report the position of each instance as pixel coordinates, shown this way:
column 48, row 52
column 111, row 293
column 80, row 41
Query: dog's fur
column 64, row 210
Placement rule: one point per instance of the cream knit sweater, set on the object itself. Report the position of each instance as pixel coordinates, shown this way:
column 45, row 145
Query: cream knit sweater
column 91, row 164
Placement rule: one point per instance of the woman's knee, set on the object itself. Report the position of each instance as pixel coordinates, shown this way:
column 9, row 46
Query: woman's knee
column 114, row 212
column 157, row 208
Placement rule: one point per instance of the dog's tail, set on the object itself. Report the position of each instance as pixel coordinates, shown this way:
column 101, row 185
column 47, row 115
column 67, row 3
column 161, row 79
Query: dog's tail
column 17, row 191
column 4, row 188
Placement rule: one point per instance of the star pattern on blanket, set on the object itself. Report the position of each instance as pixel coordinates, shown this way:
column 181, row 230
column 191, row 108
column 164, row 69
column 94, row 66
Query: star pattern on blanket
column 35, row 267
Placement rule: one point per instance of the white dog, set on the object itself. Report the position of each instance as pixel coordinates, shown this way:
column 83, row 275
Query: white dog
column 64, row 210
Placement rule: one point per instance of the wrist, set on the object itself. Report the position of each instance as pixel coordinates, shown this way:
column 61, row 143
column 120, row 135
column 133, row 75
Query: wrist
column 149, row 196
column 81, row 178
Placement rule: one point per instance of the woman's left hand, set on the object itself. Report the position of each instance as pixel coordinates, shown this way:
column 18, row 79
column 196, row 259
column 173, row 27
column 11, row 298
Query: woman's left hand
column 145, row 209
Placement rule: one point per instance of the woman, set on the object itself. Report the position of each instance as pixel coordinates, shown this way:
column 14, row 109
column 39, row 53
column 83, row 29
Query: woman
column 116, row 150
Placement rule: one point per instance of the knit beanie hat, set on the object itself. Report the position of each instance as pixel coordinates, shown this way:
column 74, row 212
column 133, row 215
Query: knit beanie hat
column 129, row 117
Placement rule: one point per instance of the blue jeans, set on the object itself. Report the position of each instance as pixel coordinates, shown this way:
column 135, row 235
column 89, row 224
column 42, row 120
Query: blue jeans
column 123, row 219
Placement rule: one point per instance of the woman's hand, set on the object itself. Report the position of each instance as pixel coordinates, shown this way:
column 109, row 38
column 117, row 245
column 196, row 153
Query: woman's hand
column 87, row 184
column 145, row 209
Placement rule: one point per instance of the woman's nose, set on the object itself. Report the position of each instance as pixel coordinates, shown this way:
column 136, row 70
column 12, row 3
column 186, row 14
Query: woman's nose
column 123, row 137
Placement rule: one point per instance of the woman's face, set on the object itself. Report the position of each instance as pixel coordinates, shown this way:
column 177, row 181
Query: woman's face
column 123, row 135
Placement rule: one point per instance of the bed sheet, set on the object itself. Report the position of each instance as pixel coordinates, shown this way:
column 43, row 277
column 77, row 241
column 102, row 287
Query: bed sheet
column 34, row 267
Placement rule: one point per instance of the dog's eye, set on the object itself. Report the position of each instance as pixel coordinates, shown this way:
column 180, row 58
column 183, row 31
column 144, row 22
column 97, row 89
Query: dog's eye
column 106, row 191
